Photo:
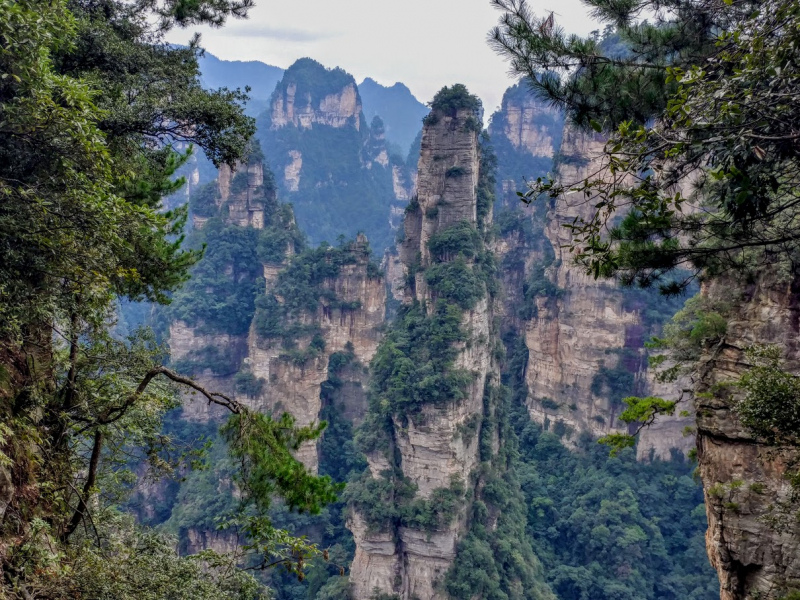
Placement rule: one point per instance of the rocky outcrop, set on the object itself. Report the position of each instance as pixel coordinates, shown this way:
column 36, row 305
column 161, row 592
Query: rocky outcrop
column 586, row 336
column 351, row 323
column 263, row 373
column 317, row 139
column 432, row 451
column 526, row 135
column 526, row 129
column 753, row 538
column 291, row 172
column 338, row 109
column 403, row 183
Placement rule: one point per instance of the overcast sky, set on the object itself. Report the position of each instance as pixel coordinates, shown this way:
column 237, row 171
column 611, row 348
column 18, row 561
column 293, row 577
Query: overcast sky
column 423, row 43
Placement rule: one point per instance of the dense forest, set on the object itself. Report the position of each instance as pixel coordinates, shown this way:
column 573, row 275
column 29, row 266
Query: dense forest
column 270, row 333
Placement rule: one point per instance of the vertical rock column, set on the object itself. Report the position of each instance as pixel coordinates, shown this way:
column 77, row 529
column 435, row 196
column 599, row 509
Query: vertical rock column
column 429, row 451
column 583, row 335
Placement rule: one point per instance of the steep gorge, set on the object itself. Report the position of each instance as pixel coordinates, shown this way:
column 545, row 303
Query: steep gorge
column 285, row 327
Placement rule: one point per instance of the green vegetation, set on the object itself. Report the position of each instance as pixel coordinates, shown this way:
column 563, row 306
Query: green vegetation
column 247, row 383
column 606, row 527
column 659, row 104
column 771, row 403
column 486, row 179
column 455, row 172
column 456, row 281
column 449, row 100
column 414, row 363
column 203, row 202
column 461, row 239
column 496, row 560
column 220, row 296
column 612, row 527
column 95, row 105
column 389, row 502
column 301, row 287
column 613, row 383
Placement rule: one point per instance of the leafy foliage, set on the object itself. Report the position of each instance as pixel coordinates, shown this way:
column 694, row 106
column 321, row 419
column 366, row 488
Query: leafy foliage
column 414, row 363
column 771, row 403
column 606, row 526
column 220, row 297
column 456, row 281
column 449, row 100
column 717, row 122
column 133, row 563
column 95, row 105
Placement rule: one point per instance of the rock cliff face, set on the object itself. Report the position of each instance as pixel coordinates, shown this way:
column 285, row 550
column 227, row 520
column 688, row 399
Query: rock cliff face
column 585, row 336
column 752, row 537
column 274, row 374
column 303, row 110
column 526, row 135
column 408, row 561
column 432, row 448
column 318, row 141
column 350, row 323
column 523, row 128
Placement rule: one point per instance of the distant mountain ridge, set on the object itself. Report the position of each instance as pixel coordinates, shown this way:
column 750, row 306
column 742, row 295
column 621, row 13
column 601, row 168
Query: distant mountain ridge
column 260, row 77
column 400, row 111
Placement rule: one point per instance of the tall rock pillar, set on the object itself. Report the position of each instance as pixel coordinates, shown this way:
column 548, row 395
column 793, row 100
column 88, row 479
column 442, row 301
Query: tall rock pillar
column 431, row 433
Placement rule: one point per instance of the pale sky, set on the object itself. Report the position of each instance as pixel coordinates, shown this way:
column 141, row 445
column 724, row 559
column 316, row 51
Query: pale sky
column 423, row 43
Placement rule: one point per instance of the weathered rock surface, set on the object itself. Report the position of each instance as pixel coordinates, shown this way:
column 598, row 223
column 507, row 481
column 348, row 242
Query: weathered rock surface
column 296, row 387
column 584, row 334
column 428, row 448
column 287, row 386
column 523, row 125
column 753, row 539
column 336, row 110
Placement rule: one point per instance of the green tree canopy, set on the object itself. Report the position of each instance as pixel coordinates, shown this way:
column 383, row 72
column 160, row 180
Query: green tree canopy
column 702, row 156
column 97, row 112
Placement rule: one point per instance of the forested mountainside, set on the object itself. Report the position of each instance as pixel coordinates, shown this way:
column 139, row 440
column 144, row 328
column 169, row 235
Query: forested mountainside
column 317, row 140
column 325, row 154
column 369, row 376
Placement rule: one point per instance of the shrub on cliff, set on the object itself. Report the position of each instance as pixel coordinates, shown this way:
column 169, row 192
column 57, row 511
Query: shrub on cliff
column 449, row 100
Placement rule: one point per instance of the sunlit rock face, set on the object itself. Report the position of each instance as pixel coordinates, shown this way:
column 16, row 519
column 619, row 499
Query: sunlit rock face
column 586, row 336
column 296, row 387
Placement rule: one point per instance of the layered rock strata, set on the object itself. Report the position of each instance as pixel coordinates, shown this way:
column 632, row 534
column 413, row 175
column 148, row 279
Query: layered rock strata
column 753, row 538
column 586, row 336
column 433, row 448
